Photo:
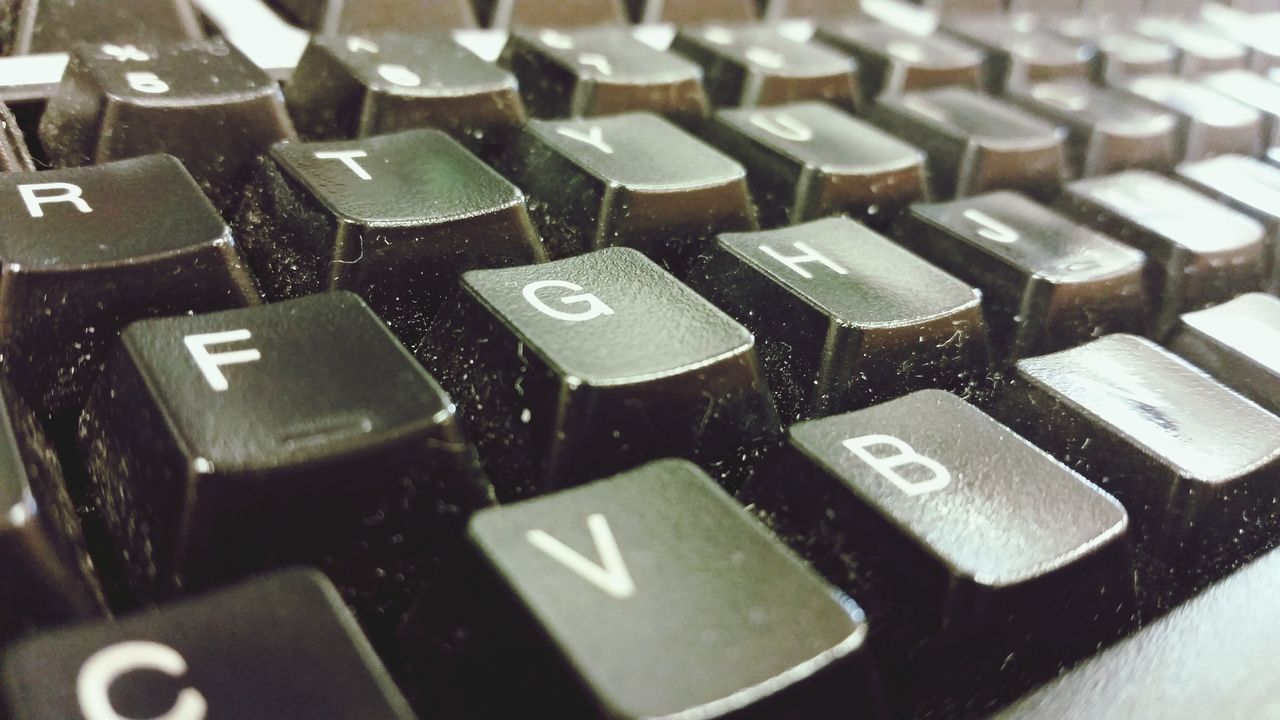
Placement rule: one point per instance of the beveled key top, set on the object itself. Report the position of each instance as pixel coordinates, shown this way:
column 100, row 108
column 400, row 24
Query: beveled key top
column 1125, row 55
column 1195, row 464
column 603, row 71
column 353, row 86
column 394, row 218
column 844, row 317
column 126, row 240
column 976, row 144
column 1247, row 185
column 629, row 594
column 898, row 502
column 818, row 9
column 892, row 61
column 299, row 432
column 550, row 13
column 755, row 65
column 1199, row 50
column 1253, row 90
column 280, row 647
column 1107, row 130
column 1047, row 283
column 692, row 12
column 1237, row 342
column 633, row 180
column 809, row 160
column 371, row 17
column 43, row 26
column 1210, row 123
column 1199, row 252
column 14, row 154
column 1018, row 55
column 561, row 373
column 204, row 103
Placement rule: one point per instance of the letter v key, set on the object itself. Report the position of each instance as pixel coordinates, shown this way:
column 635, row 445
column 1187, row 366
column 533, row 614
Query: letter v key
column 611, row 575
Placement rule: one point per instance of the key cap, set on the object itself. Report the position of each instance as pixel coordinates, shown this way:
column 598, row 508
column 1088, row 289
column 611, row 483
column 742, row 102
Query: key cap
column 896, row 502
column 692, row 12
column 1017, row 56
column 603, row 71
column 204, row 103
column 1122, row 56
column 550, row 13
column 1224, row 637
column 1248, row 186
column 1199, row 51
column 959, row 8
column 394, row 218
column 562, row 371
column 892, row 61
column 226, row 444
column 357, row 86
column 1194, row 463
column 754, row 65
column 976, row 144
column 809, row 160
column 56, row 25
column 1199, row 252
column 88, row 250
column 818, row 9
column 844, row 317
column 633, row 588
column 1047, row 283
column 1237, row 343
column 281, row 647
column 47, row 577
column 1253, row 90
column 1210, row 124
column 13, row 149
column 633, row 180
column 1107, row 130
column 344, row 17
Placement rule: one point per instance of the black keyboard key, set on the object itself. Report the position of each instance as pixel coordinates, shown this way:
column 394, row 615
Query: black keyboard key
column 281, row 647
column 56, row 25
column 355, row 86
column 976, row 144
column 47, row 576
column 1247, row 185
column 1018, row 56
column 550, row 13
column 755, row 65
column 1047, row 283
column 845, row 318
column 1195, row 464
column 892, row 61
column 634, row 180
column 1107, row 130
column 1253, row 90
column 225, row 444
column 1225, row 638
column 1199, row 252
column 13, row 148
column 1210, row 124
column 88, row 250
column 1237, row 342
column 603, row 71
column 364, row 17
column 633, row 588
column 899, row 503
column 394, row 218
column 562, row 372
column 692, row 12
column 1199, row 50
column 810, row 160
column 204, row 103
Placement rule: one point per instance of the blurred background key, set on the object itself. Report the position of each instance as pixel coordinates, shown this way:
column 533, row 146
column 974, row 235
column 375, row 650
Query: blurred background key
column 342, row 17
column 57, row 25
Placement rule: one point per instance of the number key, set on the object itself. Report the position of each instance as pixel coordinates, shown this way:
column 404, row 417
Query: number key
column 892, row 61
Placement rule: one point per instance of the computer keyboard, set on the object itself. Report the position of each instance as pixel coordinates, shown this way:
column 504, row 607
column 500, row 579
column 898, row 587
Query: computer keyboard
column 661, row 359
